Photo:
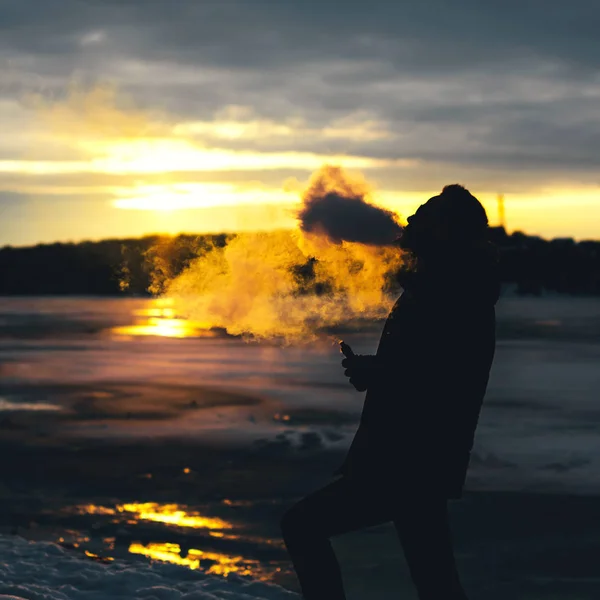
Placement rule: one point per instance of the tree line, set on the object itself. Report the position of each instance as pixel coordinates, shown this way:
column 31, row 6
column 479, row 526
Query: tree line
column 139, row 266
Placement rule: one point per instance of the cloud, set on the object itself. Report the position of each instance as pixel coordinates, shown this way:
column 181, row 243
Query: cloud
column 336, row 206
column 463, row 84
column 501, row 97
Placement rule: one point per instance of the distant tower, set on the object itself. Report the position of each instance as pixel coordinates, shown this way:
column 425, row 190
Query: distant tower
column 501, row 214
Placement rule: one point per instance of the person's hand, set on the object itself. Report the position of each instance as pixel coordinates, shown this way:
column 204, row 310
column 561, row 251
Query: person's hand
column 358, row 368
column 359, row 382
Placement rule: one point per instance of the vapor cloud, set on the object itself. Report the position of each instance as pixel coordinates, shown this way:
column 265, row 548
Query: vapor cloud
column 336, row 206
column 295, row 285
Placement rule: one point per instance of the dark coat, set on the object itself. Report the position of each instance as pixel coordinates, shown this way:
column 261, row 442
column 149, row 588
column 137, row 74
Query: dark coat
column 429, row 378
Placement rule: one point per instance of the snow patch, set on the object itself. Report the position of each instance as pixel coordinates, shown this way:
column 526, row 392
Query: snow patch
column 46, row 571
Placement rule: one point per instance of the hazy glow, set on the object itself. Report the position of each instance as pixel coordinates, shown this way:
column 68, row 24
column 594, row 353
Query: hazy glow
column 237, row 125
column 158, row 310
column 163, row 156
column 172, row 155
column 46, row 167
column 80, row 156
column 198, row 195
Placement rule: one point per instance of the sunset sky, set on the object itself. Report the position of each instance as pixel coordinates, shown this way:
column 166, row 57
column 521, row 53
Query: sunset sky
column 121, row 118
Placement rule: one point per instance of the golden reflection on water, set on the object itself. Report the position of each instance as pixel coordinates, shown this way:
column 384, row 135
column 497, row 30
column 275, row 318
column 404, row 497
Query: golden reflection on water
column 27, row 406
column 172, row 328
column 211, row 562
column 161, row 320
column 218, row 564
column 225, row 536
column 170, row 514
column 104, row 559
column 94, row 509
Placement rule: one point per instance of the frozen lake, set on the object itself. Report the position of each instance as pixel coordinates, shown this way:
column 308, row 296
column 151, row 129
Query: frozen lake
column 538, row 429
column 132, row 434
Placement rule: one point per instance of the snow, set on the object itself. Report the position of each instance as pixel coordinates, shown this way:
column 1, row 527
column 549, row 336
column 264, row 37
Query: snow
column 46, row 571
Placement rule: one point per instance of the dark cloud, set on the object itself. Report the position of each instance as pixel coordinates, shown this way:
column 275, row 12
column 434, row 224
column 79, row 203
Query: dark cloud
column 335, row 207
column 511, row 85
column 432, row 34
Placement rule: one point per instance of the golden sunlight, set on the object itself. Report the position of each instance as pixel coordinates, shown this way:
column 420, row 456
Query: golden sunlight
column 175, row 155
column 160, row 320
column 198, row 195
column 105, row 133
column 170, row 328
column 234, row 123
column 165, row 156
column 95, row 141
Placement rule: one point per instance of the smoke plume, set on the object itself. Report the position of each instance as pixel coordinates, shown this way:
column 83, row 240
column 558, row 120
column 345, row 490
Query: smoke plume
column 336, row 206
column 292, row 285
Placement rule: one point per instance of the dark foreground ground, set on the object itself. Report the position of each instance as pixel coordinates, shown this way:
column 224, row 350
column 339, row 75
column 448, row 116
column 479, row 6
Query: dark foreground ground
column 509, row 545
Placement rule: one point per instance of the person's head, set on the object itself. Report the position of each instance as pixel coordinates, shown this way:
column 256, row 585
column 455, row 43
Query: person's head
column 453, row 219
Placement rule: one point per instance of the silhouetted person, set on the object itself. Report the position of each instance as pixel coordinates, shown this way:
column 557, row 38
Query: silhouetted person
column 425, row 388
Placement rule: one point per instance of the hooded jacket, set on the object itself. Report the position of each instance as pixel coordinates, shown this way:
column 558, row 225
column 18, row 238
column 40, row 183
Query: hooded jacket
column 429, row 377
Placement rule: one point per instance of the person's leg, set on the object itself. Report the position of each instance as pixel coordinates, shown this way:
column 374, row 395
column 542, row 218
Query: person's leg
column 424, row 531
column 337, row 508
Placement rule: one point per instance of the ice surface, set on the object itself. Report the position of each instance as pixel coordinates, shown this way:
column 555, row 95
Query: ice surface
column 537, row 430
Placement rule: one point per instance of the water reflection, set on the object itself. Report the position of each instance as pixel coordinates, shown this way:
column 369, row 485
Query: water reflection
column 93, row 509
column 225, row 536
column 157, row 326
column 210, row 562
column 170, row 514
column 29, row 406
column 98, row 558
column 160, row 319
